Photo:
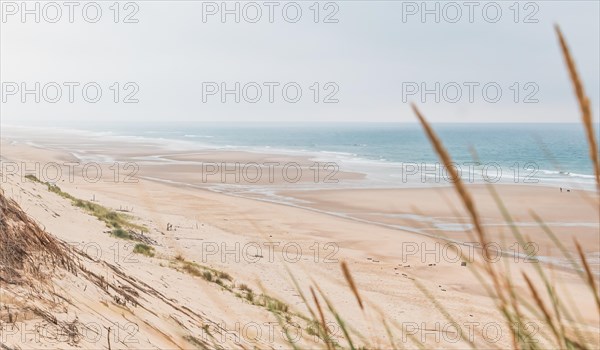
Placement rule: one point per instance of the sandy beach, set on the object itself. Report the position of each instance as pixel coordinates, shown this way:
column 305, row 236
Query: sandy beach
column 310, row 175
column 386, row 236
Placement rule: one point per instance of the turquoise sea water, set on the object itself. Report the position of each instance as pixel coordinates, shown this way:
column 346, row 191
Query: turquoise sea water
column 546, row 153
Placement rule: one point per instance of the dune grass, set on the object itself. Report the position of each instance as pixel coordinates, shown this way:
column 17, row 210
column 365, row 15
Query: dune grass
column 120, row 233
column 112, row 219
column 144, row 249
column 226, row 281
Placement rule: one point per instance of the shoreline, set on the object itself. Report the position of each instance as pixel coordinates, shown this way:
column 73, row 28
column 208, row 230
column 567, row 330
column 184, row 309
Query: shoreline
column 157, row 151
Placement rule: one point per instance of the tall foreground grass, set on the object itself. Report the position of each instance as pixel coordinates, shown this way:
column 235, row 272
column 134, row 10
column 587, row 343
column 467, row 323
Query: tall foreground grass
column 540, row 302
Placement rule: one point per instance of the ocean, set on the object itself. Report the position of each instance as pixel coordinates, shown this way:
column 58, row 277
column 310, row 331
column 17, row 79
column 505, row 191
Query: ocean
column 393, row 154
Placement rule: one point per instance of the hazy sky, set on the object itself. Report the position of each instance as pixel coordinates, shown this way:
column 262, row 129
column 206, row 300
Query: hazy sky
column 370, row 61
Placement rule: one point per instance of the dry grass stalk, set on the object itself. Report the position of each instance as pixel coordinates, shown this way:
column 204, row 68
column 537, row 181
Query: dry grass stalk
column 25, row 247
column 322, row 316
column 463, row 194
column 542, row 307
column 584, row 105
column 350, row 281
column 589, row 275
column 458, row 184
